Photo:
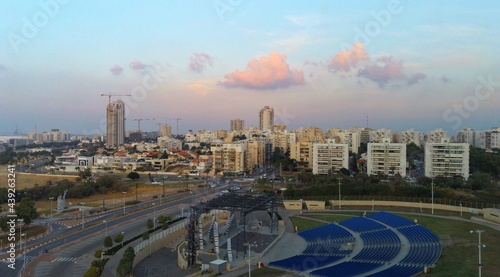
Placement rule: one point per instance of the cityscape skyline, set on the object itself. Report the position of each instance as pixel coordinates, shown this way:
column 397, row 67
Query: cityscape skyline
column 401, row 64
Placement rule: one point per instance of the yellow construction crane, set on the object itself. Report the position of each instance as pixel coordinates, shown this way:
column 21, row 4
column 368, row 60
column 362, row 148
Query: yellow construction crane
column 109, row 96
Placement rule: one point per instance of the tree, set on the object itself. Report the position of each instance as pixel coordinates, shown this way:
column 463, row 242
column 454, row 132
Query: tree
column 150, row 223
column 133, row 175
column 92, row 272
column 108, row 242
column 119, row 238
column 98, row 253
column 145, row 236
column 162, row 219
column 26, row 210
column 126, row 264
column 164, row 226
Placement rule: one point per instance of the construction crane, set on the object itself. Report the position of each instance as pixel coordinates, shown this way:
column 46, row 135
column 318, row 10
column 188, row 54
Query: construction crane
column 139, row 122
column 109, row 96
column 177, row 126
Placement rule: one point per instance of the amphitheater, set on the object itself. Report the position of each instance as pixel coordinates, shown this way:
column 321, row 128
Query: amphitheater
column 380, row 244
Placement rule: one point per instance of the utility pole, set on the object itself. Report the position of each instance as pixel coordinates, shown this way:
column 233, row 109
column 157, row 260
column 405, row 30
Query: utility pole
column 479, row 246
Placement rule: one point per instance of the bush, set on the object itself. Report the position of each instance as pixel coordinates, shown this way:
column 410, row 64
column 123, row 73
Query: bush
column 98, row 253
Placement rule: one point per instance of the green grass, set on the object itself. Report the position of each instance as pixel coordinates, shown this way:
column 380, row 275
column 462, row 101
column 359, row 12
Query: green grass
column 460, row 259
column 304, row 224
column 331, row 218
column 265, row 272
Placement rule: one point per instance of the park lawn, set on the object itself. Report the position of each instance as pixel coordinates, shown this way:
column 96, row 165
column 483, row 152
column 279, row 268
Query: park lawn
column 304, row 224
column 330, row 218
column 265, row 272
column 28, row 180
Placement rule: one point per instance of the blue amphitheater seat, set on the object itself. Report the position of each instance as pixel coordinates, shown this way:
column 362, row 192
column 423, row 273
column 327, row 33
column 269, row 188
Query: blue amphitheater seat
column 391, row 219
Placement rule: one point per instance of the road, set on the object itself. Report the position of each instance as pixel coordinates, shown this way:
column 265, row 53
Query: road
column 67, row 266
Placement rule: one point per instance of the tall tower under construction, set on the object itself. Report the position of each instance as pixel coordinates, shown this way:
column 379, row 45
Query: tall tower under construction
column 115, row 124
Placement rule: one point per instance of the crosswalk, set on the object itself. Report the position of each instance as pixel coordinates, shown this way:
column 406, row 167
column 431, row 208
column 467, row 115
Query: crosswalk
column 65, row 259
column 28, row 258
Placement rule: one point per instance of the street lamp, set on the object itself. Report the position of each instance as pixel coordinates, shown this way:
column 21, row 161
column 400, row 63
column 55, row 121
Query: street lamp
column 154, row 215
column 105, row 222
column 51, row 198
column 460, row 209
column 123, row 238
column 83, row 223
column 432, row 195
column 340, row 201
column 124, row 192
column 421, row 206
column 373, row 205
column 249, row 258
column 479, row 246
column 24, row 254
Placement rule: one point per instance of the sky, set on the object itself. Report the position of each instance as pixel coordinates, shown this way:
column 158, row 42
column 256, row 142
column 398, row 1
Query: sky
column 400, row 65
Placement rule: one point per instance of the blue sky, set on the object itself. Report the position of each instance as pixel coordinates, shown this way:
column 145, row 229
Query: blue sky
column 404, row 64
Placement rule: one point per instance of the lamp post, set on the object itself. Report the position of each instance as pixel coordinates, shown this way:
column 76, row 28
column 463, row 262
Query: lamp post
column 460, row 209
column 340, row 201
column 105, row 222
column 479, row 246
column 154, row 215
column 373, row 205
column 24, row 254
column 182, row 211
column 51, row 198
column 123, row 238
column 249, row 258
column 124, row 192
column 83, row 223
column 421, row 206
column 432, row 195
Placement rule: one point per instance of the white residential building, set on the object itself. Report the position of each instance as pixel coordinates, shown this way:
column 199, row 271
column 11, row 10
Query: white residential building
column 437, row 135
column 447, row 159
column 410, row 136
column 328, row 156
column 386, row 158
column 380, row 135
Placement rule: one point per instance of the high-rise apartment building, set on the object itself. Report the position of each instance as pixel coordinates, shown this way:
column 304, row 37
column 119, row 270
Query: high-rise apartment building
column 446, row 159
column 115, row 124
column 229, row 157
column 386, row 158
column 437, row 135
column 237, row 124
column 266, row 119
column 329, row 156
column 166, row 130
column 302, row 152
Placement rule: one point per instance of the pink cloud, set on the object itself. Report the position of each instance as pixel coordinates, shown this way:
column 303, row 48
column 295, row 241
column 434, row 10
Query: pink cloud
column 381, row 71
column 345, row 60
column 116, row 69
column 137, row 65
column 415, row 78
column 265, row 73
column 199, row 61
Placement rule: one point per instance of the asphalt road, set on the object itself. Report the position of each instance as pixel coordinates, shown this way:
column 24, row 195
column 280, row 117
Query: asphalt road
column 66, row 268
